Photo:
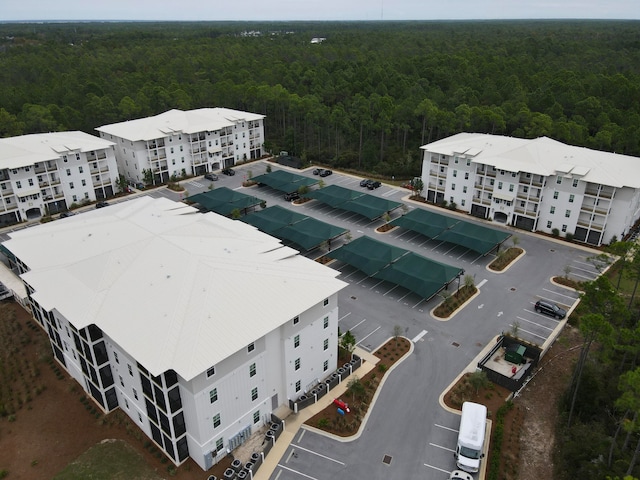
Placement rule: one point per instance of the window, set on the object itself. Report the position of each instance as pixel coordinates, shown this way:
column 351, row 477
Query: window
column 115, row 355
column 464, row 189
column 130, row 369
column 549, row 224
column 455, row 173
column 213, row 395
column 18, row 184
column 71, row 185
column 466, row 176
column 256, row 416
column 126, row 403
column 211, row 372
column 216, row 420
column 296, row 320
column 254, row 394
column 68, row 172
column 297, row 364
column 567, row 213
column 326, row 302
column 552, row 210
column 171, row 149
column 555, row 195
column 462, row 202
column 140, row 417
column 31, row 182
column 325, row 346
column 575, row 182
column 571, row 197
column 492, row 182
column 564, row 228
column 511, row 187
column 468, row 162
column 219, row 444
column 522, row 204
column 525, row 189
column 499, row 185
column 252, row 370
column 453, row 186
column 121, row 380
column 296, row 341
column 298, row 386
column 80, row 169
column 135, row 394
column 84, row 182
column 559, row 180
column 326, row 322
column 325, row 366
column 251, row 347
column 77, row 156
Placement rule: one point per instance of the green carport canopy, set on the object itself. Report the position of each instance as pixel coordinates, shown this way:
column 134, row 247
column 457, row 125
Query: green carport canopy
column 364, row 204
column 427, row 223
column 475, row 237
column 284, row 181
column 310, row 233
column 304, row 231
column 223, row 200
column 419, row 274
column 367, row 254
column 272, row 219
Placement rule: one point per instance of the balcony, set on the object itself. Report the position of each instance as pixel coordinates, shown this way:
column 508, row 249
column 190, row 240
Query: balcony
column 591, row 225
column 603, row 192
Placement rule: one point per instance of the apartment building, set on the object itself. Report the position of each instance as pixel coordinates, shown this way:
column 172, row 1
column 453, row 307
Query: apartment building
column 536, row 185
column 45, row 173
column 177, row 143
column 198, row 327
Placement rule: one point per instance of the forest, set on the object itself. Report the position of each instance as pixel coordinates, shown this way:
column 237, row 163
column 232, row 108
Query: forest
column 365, row 98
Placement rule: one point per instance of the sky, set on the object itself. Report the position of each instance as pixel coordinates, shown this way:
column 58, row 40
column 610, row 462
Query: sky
column 318, row 10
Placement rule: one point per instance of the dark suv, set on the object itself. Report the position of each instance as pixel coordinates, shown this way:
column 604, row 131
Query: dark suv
column 291, row 196
column 550, row 309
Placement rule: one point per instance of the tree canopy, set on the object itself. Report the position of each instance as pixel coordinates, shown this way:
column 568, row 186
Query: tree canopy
column 365, row 98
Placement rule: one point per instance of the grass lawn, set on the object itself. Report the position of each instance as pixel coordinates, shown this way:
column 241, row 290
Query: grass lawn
column 109, row 460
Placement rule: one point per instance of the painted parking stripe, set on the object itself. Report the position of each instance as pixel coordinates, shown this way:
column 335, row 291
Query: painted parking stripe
column 534, row 323
column 319, row 454
column 570, row 297
column 379, row 327
column 436, row 468
column 297, row 472
column 441, row 447
column 446, row 428
column 530, row 333
column 419, row 336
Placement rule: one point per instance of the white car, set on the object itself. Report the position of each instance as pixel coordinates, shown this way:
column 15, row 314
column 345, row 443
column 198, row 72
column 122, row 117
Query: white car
column 460, row 475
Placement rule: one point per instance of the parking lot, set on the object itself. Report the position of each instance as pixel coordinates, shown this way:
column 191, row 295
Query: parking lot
column 408, row 435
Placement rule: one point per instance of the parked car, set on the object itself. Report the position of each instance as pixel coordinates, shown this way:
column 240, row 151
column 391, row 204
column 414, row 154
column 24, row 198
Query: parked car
column 373, row 184
column 460, row 475
column 364, row 182
column 550, row 309
column 211, row 176
column 325, row 173
column 291, row 196
column 317, row 171
column 229, row 171
column 66, row 214
column 102, row 204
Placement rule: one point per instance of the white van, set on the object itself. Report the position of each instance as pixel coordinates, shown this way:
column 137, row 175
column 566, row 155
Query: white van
column 471, row 436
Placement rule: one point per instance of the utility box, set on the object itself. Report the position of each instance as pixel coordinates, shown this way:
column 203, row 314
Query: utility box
column 515, row 353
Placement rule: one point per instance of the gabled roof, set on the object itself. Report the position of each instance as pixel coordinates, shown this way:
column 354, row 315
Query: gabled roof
column 175, row 288
column 27, row 150
column 178, row 121
column 542, row 156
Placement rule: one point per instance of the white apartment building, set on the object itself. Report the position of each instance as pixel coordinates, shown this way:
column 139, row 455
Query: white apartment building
column 195, row 325
column 535, row 185
column 45, row 173
column 177, row 143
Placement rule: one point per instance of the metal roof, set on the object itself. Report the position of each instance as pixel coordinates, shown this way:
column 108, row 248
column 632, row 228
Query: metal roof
column 542, row 156
column 27, row 150
column 178, row 121
column 175, row 288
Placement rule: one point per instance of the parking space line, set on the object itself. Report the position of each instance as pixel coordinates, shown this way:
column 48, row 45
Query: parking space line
column 390, row 290
column 436, row 468
column 342, row 318
column 379, row 327
column 359, row 323
column 560, row 294
column 534, row 323
column 443, row 448
column 318, row 454
column 530, row 333
column 533, row 312
column 296, row 471
column 446, row 428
